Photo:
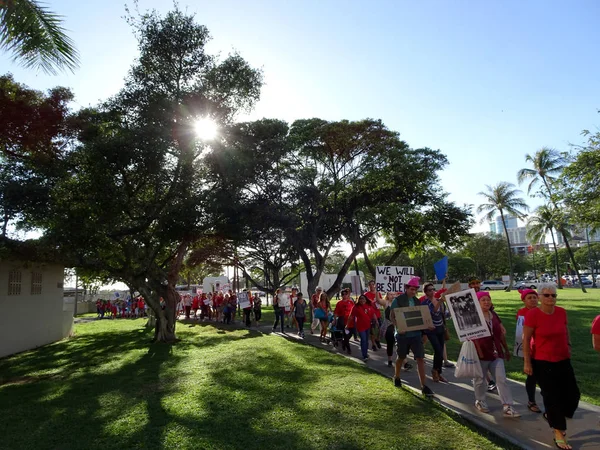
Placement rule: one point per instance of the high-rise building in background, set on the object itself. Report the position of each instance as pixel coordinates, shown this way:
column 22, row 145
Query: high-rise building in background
column 516, row 235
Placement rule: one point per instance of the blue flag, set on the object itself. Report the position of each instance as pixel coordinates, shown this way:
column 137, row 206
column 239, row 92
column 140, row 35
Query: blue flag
column 441, row 268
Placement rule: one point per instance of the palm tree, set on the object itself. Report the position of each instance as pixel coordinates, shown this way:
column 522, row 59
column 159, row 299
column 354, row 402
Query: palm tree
column 542, row 222
column 35, row 36
column 505, row 200
column 547, row 164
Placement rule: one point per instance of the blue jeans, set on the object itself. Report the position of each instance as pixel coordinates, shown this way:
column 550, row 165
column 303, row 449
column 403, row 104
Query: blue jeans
column 364, row 342
column 436, row 337
column 279, row 315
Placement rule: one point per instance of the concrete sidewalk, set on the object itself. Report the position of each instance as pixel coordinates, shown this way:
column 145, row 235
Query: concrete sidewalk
column 530, row 431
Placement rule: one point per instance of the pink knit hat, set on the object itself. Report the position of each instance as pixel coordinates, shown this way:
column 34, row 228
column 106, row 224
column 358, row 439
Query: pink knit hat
column 414, row 282
column 526, row 292
column 482, row 294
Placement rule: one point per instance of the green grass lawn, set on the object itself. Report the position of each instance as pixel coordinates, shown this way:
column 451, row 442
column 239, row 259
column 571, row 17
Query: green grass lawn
column 219, row 388
column 581, row 310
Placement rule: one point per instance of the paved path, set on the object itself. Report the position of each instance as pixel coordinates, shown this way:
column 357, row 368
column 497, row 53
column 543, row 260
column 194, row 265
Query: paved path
column 530, row 431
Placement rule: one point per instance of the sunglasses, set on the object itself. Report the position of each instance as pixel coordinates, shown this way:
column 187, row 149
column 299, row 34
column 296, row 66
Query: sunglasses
column 550, row 295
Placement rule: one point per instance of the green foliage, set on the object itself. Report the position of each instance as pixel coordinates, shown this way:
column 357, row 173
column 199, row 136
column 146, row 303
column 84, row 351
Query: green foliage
column 35, row 133
column 488, row 253
column 35, row 37
column 581, row 186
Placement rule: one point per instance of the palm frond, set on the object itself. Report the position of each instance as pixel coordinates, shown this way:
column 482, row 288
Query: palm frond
column 35, row 37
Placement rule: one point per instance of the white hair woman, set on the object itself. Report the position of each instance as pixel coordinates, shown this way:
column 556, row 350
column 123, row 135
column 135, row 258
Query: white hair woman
column 551, row 362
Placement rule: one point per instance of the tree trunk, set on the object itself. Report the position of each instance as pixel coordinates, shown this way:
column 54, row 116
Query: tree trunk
column 572, row 258
column 558, row 282
column 564, row 235
column 370, row 265
column 342, row 273
column 510, row 261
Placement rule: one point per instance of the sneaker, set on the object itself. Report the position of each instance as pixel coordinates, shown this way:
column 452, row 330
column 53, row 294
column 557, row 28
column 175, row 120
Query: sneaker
column 509, row 411
column 273, row 329
column 491, row 385
column 374, row 348
column 427, row 392
column 482, row 406
column 448, row 365
column 366, row 358
column 378, row 344
column 390, row 364
column 408, row 366
column 397, row 382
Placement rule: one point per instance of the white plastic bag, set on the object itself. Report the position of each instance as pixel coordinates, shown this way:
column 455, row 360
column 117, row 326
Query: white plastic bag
column 468, row 365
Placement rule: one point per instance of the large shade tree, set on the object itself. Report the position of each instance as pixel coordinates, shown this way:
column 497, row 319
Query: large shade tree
column 548, row 164
column 504, row 200
column 35, row 37
column 137, row 199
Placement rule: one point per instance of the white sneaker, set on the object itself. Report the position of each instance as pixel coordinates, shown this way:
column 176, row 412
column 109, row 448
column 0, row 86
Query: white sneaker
column 482, row 406
column 509, row 411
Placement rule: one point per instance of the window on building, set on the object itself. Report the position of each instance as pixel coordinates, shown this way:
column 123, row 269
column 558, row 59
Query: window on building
column 14, row 282
column 36, row 283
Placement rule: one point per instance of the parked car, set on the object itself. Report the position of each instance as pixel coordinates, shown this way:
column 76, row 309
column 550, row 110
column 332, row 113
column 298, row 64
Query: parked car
column 493, row 285
column 584, row 281
column 526, row 285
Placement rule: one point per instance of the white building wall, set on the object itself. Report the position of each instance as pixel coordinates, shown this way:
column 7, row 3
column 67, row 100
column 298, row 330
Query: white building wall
column 28, row 321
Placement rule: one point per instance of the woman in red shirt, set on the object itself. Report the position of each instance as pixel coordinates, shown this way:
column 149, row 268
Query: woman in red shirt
column 362, row 314
column 529, row 297
column 551, row 364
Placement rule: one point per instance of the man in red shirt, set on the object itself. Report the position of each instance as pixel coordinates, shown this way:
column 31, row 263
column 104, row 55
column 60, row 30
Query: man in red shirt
column 374, row 297
column 342, row 311
column 596, row 333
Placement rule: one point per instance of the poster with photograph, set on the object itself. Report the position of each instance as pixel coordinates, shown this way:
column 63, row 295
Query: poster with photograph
column 243, row 300
column 392, row 278
column 518, row 350
column 467, row 315
column 413, row 318
column 284, row 301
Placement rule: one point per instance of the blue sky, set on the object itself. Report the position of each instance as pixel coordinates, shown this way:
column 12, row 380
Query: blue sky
column 483, row 81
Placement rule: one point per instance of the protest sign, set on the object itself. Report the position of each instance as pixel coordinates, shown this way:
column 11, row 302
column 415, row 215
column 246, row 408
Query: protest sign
column 392, row 278
column 243, row 300
column 518, row 349
column 413, row 318
column 284, row 301
column 467, row 315
column 441, row 268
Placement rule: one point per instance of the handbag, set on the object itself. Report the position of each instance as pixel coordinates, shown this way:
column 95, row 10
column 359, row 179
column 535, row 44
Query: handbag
column 383, row 329
column 468, row 365
column 446, row 332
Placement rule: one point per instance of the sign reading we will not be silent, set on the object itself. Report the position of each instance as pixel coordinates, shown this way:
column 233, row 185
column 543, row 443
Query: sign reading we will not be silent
column 392, row 278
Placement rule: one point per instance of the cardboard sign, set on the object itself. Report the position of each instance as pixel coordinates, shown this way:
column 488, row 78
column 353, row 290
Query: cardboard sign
column 467, row 316
column 392, row 278
column 413, row 318
column 243, row 300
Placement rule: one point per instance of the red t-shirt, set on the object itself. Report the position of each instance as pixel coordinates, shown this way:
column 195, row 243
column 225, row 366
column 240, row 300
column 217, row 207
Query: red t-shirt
column 343, row 308
column 362, row 315
column 549, row 333
column 195, row 302
column 371, row 296
column 596, row 325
